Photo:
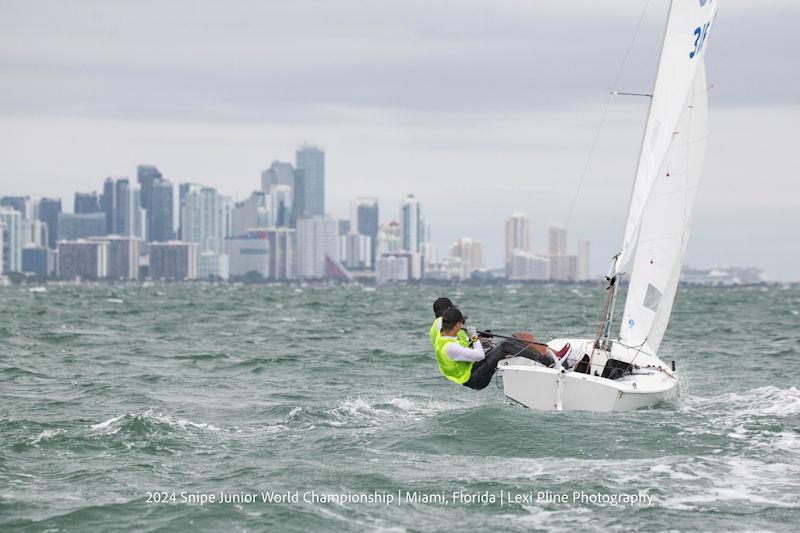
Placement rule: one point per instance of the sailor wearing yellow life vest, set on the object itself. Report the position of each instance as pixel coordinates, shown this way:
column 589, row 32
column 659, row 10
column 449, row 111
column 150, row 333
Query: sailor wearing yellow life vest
column 461, row 357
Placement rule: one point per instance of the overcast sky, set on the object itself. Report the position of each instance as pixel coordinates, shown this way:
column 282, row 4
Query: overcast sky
column 480, row 108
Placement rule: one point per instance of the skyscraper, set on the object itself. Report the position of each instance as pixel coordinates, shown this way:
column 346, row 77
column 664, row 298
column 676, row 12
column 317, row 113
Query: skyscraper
column 366, row 221
column 389, row 238
column 160, row 212
column 470, row 252
column 583, row 260
column 128, row 215
column 277, row 174
column 11, row 228
column 49, row 208
column 410, row 224
column 107, row 203
column 202, row 223
column 317, row 238
column 309, row 194
column 280, row 198
column 253, row 212
column 556, row 240
column 72, row 227
column 86, row 202
column 146, row 175
column 518, row 235
column 201, row 219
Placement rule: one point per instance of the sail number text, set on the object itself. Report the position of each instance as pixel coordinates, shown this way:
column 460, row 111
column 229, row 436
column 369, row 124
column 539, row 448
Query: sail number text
column 700, row 34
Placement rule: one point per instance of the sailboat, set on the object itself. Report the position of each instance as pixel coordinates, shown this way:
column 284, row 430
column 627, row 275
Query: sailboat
column 623, row 372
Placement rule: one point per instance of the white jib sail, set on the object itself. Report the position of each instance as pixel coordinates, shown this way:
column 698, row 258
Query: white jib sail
column 669, row 169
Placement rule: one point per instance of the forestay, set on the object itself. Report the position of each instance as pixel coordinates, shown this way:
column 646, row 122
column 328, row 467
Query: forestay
column 667, row 176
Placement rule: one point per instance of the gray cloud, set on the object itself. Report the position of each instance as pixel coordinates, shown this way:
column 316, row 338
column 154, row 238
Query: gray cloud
column 489, row 105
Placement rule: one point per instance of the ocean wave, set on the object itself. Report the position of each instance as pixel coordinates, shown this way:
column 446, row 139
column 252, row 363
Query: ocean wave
column 378, row 410
column 46, row 435
column 761, row 401
column 147, row 420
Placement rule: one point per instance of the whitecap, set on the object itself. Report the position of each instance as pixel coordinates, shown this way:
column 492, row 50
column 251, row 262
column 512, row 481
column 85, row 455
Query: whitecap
column 103, row 425
column 45, row 435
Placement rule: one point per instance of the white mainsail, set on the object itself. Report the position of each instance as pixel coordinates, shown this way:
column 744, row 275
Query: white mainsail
column 667, row 177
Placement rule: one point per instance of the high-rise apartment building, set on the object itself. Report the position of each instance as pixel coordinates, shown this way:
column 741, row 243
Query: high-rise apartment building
column 355, row 251
column 160, row 212
column 253, row 212
column 280, row 199
column 469, row 251
column 36, row 260
column 518, row 234
column 583, row 261
column 556, row 240
column 317, row 238
column 49, row 208
column 201, row 219
column 11, row 228
column 107, row 203
column 277, row 174
column 173, row 260
column 366, row 221
column 146, row 176
column 390, row 238
column 202, row 223
column 525, row 266
column 86, row 202
column 309, row 191
column 122, row 256
column 129, row 213
column 82, row 259
column 410, row 224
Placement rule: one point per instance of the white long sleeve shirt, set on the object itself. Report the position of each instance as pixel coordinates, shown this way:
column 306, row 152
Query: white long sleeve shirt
column 456, row 352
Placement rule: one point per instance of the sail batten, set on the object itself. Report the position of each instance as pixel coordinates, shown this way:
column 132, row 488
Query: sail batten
column 667, row 176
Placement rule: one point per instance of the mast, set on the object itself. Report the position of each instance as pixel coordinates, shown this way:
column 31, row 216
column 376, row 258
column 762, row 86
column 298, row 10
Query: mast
column 613, row 277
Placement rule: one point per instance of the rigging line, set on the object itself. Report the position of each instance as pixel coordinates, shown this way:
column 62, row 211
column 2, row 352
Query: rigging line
column 605, row 113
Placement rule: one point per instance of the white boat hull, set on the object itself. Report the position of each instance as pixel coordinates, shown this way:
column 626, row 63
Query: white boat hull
column 548, row 389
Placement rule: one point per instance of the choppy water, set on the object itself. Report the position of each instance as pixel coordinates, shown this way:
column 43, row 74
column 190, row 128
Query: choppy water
column 107, row 393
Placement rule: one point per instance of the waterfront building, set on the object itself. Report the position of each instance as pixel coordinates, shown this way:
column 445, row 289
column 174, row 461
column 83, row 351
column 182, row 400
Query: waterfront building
column 249, row 253
column 398, row 266
column 122, row 256
column 34, row 232
column 556, row 240
column 202, row 223
column 583, row 261
column 469, row 251
column 36, row 260
column 253, row 212
column 518, row 235
column 410, row 224
column 173, row 260
column 525, row 266
column 82, row 259
column 11, row 222
column 355, row 251
column 317, row 238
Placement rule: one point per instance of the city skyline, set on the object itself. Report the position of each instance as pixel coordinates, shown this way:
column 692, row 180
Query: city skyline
column 513, row 138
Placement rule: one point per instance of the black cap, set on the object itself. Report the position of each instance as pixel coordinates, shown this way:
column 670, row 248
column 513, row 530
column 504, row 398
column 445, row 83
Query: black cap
column 451, row 317
column 441, row 305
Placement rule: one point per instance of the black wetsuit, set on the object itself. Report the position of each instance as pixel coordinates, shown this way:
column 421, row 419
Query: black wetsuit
column 483, row 370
